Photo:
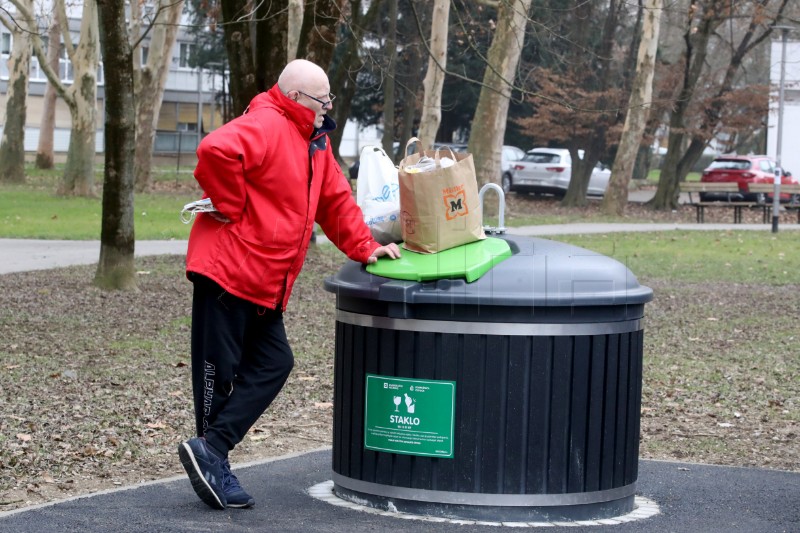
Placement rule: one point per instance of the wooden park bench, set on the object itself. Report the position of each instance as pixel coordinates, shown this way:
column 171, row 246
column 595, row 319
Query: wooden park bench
column 730, row 190
column 769, row 188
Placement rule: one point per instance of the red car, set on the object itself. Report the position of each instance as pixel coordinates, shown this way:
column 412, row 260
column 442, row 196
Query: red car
column 744, row 169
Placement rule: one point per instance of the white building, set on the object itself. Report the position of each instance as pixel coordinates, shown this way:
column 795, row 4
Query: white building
column 790, row 147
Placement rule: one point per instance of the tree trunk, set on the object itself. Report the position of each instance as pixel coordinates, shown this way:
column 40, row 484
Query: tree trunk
column 80, row 97
column 343, row 82
column 12, row 145
column 644, row 160
column 616, row 197
column 239, row 45
column 295, row 24
column 434, row 77
column 389, row 77
column 44, row 151
column 489, row 123
column 272, row 42
column 318, row 33
column 666, row 196
column 594, row 143
column 582, row 169
column 696, row 37
column 78, row 179
column 149, row 84
column 409, row 99
column 115, row 269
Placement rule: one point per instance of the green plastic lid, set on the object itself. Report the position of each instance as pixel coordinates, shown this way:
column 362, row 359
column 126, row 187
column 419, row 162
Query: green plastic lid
column 468, row 261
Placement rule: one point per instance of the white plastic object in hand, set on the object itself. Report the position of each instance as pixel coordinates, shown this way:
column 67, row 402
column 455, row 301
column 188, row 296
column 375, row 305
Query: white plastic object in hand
column 198, row 206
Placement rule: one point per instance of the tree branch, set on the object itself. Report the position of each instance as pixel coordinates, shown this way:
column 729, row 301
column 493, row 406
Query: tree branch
column 36, row 40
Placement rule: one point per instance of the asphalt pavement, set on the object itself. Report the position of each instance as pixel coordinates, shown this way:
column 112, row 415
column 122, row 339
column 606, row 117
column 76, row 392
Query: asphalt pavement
column 293, row 494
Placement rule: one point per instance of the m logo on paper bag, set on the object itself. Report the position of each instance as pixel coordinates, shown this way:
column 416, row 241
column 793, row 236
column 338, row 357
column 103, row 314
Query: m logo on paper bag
column 455, row 201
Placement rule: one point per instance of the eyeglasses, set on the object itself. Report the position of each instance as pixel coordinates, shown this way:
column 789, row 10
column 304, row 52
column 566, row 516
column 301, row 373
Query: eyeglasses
column 331, row 98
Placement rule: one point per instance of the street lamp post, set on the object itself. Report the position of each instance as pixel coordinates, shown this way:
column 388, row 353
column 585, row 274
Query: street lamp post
column 776, row 198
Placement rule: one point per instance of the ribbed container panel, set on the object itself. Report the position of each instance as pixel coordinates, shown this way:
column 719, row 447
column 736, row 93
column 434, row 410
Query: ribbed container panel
column 535, row 415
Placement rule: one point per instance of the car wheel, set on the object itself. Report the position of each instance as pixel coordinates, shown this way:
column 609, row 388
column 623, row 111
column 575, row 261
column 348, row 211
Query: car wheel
column 794, row 199
column 506, row 183
column 761, row 198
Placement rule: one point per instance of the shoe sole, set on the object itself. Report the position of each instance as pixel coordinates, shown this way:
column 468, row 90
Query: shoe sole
column 199, row 483
column 247, row 505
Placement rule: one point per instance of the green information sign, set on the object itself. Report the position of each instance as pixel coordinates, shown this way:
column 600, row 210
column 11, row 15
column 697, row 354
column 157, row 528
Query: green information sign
column 409, row 416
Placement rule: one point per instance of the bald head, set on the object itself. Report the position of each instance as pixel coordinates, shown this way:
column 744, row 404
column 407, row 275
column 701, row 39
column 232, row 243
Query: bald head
column 298, row 73
column 307, row 84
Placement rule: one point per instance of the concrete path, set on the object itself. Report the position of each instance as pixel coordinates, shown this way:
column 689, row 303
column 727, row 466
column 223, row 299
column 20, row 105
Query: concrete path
column 21, row 255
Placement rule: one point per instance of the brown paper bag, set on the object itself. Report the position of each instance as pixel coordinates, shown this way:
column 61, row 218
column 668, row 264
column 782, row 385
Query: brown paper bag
column 439, row 208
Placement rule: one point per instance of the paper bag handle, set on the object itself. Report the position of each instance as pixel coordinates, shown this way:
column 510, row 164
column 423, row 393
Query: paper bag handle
column 452, row 153
column 413, row 140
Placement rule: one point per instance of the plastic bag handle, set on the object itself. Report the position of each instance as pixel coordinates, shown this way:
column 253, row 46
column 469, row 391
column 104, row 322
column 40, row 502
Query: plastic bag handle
column 375, row 148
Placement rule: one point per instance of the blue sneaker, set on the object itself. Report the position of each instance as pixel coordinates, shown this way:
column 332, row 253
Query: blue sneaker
column 205, row 471
column 234, row 493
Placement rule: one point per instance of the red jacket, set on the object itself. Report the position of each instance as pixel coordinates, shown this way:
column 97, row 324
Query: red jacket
column 265, row 173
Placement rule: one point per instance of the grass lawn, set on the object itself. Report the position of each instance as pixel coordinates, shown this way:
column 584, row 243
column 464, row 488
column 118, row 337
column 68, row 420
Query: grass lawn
column 34, row 211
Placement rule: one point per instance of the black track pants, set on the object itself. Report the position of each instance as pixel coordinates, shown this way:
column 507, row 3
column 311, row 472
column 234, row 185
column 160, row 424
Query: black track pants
column 240, row 362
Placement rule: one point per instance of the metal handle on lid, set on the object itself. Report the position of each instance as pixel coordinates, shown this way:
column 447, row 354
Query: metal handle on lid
column 501, row 228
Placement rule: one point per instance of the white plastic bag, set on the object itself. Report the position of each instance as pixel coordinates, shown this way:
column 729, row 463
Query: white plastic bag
column 378, row 194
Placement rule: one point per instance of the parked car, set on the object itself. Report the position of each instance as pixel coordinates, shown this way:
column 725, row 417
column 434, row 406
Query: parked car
column 509, row 156
column 549, row 170
column 744, row 170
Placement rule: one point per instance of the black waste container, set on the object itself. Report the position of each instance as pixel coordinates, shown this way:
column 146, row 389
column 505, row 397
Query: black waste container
column 515, row 397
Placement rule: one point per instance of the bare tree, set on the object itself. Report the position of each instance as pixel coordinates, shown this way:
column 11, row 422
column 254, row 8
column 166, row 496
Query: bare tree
column 12, row 146
column 343, row 78
column 115, row 269
column 616, row 197
column 259, row 42
column 80, row 96
column 434, row 77
column 318, row 33
column 687, row 140
column 489, row 123
column 47, row 125
column 150, row 80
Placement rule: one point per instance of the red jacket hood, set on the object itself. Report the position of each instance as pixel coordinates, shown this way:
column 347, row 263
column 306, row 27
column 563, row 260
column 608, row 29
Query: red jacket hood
column 300, row 115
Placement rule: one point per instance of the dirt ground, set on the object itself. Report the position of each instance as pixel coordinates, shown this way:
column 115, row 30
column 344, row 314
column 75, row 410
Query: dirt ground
column 97, row 394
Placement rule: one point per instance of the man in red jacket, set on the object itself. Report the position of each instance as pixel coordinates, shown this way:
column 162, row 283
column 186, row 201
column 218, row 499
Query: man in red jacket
column 270, row 174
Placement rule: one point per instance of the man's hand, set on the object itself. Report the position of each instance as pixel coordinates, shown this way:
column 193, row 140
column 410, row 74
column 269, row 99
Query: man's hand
column 390, row 250
column 216, row 215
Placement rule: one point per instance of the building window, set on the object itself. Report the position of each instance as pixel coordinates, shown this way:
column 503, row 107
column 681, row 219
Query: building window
column 186, row 51
column 187, row 126
column 145, row 51
column 5, row 44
